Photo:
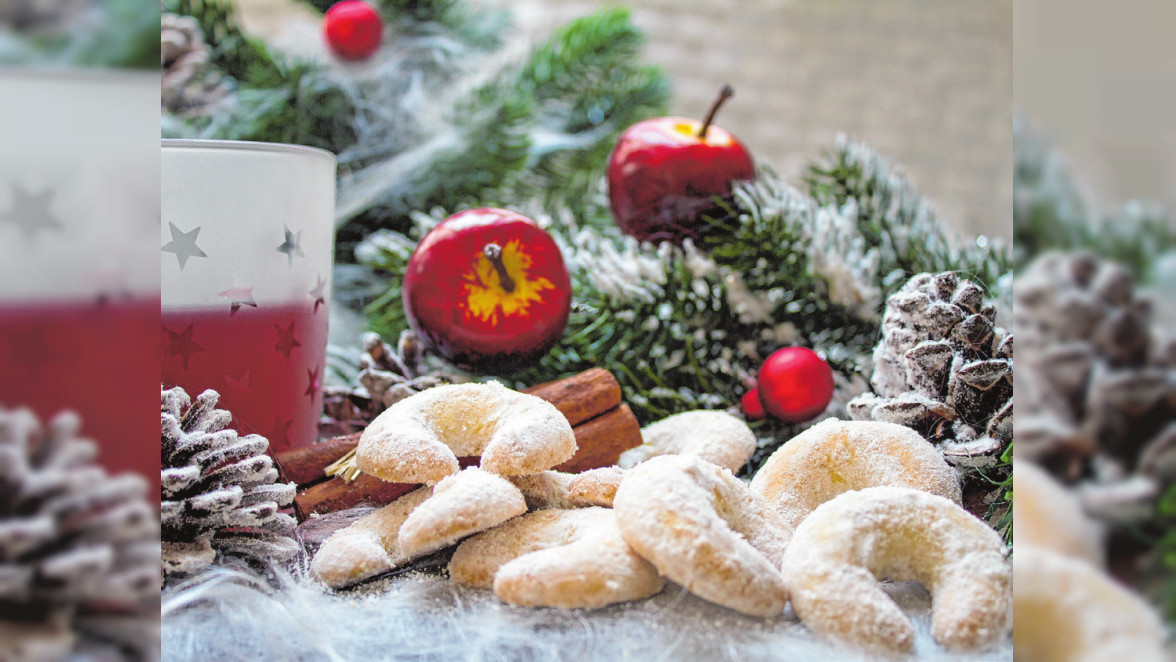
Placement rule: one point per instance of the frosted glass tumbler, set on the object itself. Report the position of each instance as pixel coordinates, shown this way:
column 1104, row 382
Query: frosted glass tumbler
column 79, row 279
column 247, row 241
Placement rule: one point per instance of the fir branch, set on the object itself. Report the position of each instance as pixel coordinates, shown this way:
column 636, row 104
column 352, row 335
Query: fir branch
column 1050, row 212
column 893, row 216
column 586, row 89
column 234, row 53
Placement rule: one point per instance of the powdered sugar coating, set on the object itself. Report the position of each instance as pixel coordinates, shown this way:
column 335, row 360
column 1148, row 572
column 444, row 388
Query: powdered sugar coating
column 834, row 456
column 461, row 505
column 714, row 436
column 556, row 558
column 368, row 546
column 1066, row 609
column 844, row 547
column 703, row 528
column 419, row 439
column 555, row 489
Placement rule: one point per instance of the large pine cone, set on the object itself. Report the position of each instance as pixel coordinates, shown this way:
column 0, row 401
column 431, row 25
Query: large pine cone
column 945, row 369
column 220, row 495
column 77, row 547
column 385, row 377
column 1096, row 390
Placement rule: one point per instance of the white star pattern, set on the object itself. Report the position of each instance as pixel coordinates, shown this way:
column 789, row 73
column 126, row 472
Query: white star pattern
column 291, row 245
column 183, row 245
column 238, row 296
column 30, row 212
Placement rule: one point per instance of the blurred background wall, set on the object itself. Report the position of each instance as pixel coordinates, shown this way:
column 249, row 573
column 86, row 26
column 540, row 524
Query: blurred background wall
column 1099, row 78
column 927, row 83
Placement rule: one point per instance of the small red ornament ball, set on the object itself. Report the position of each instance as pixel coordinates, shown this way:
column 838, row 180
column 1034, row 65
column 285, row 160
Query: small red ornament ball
column 353, row 29
column 751, row 405
column 795, row 384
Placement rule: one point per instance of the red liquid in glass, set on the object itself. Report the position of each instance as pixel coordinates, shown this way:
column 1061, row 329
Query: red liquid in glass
column 266, row 362
column 99, row 359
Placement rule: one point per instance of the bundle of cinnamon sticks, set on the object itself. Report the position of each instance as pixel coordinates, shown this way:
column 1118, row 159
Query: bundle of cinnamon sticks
column 604, row 426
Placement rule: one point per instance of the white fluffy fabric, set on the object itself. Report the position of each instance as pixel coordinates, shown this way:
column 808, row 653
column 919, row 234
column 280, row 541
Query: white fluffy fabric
column 424, row 617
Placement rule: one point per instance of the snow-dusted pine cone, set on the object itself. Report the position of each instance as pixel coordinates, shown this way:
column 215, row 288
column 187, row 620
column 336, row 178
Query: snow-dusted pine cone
column 385, row 378
column 77, row 547
column 187, row 83
column 1096, row 389
column 945, row 369
column 220, row 497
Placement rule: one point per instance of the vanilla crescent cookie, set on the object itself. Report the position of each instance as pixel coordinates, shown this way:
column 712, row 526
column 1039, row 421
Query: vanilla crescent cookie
column 420, row 522
column 461, row 505
column 1066, row 610
column 837, row 456
column 715, row 436
column 556, row 558
column 842, row 549
column 419, row 439
column 368, row 546
column 555, row 489
column 1050, row 516
column 702, row 527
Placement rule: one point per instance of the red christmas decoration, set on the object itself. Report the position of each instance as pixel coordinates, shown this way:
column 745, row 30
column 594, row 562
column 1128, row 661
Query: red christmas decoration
column 795, row 384
column 488, row 290
column 353, row 29
column 751, row 405
column 665, row 173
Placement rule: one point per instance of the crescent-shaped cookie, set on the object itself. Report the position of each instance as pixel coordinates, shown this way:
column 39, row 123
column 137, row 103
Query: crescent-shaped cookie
column 419, row 439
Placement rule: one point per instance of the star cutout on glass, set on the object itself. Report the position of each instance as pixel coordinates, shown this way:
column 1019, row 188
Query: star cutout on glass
column 242, row 384
column 238, row 296
column 183, row 245
column 181, row 344
column 317, row 293
column 292, row 245
column 286, row 340
column 30, row 212
column 312, row 386
column 280, row 437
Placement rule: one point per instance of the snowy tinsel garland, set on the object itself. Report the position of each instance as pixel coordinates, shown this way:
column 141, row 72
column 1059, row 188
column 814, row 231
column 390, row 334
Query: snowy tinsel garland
column 231, row 618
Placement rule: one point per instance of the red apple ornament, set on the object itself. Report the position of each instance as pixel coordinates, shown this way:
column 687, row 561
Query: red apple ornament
column 664, row 175
column 488, row 290
column 795, row 384
column 353, row 29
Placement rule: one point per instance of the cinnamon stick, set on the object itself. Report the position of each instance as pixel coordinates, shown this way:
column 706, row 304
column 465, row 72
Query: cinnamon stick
column 338, row 494
column 601, row 440
column 581, row 397
column 305, row 466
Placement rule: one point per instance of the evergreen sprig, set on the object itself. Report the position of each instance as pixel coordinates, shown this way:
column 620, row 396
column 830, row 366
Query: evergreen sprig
column 894, row 216
column 1050, row 212
column 106, row 34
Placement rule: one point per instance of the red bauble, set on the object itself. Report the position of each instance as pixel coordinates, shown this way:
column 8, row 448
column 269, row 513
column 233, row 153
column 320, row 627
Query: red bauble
column 488, row 290
column 751, row 405
column 795, row 384
column 353, row 29
column 663, row 177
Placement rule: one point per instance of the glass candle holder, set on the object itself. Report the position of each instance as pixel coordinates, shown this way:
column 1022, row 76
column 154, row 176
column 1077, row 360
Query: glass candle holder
column 247, row 241
column 79, row 285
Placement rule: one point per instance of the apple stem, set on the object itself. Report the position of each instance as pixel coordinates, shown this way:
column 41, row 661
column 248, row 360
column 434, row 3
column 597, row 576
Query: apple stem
column 493, row 252
column 725, row 92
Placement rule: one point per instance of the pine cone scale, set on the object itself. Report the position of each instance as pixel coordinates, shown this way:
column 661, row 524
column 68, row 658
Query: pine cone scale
column 217, row 487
